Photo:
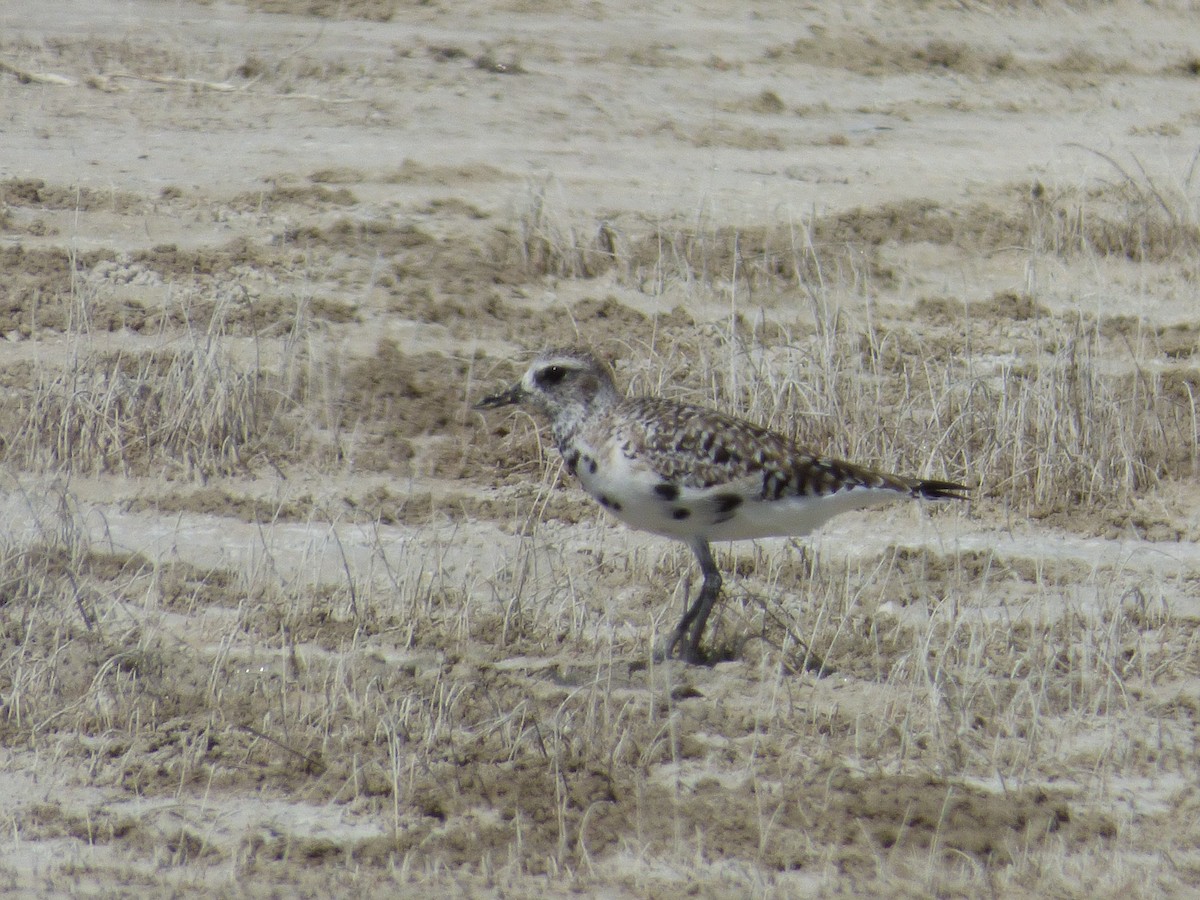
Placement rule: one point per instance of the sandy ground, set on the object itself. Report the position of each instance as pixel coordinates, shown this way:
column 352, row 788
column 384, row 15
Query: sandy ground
column 283, row 615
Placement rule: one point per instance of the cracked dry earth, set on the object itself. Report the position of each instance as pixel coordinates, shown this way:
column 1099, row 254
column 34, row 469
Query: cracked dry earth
column 282, row 615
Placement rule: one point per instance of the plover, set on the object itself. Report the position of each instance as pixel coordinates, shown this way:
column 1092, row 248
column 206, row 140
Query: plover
column 692, row 473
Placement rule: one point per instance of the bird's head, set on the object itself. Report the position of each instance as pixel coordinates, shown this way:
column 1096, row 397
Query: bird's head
column 570, row 383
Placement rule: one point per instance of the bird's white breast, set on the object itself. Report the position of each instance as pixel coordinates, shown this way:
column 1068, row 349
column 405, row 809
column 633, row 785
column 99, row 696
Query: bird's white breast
column 625, row 488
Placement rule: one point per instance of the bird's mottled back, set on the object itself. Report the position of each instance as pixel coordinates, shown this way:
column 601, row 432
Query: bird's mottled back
column 697, row 447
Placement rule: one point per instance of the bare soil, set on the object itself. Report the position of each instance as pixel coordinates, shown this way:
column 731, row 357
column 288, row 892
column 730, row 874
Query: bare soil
column 282, row 614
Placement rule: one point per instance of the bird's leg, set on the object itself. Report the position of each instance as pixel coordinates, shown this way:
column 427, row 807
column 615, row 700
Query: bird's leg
column 696, row 617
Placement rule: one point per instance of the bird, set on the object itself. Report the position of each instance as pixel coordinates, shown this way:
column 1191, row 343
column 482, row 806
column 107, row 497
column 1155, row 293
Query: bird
column 693, row 473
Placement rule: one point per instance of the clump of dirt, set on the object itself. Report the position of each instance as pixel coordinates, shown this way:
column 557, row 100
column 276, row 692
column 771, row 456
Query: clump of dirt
column 52, row 820
column 338, row 175
column 430, row 278
column 185, row 587
column 923, row 813
column 978, row 225
column 593, row 322
column 843, row 241
column 37, row 290
column 34, row 192
column 1144, row 526
column 217, row 310
column 101, row 291
column 918, row 574
column 761, row 255
column 216, row 501
column 463, row 815
column 544, row 803
column 1177, row 341
column 872, row 56
column 52, row 562
column 397, row 400
column 362, row 238
column 1006, row 306
column 1010, row 306
column 286, row 193
column 412, row 509
column 413, row 172
column 464, row 315
column 369, row 10
column 740, row 137
column 173, row 262
column 454, row 207
column 767, row 102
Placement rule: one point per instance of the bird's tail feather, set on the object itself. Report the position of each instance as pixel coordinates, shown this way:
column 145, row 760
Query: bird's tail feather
column 941, row 490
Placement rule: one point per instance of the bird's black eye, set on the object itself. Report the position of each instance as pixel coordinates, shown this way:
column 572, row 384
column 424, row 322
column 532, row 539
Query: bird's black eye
column 552, row 375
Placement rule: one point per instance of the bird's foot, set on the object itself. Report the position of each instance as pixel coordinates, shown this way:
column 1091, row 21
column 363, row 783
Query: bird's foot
column 679, row 647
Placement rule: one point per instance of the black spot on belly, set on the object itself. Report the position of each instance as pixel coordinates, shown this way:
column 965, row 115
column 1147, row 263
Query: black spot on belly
column 680, row 513
column 608, row 503
column 727, row 503
column 591, row 464
column 572, row 460
column 667, row 491
column 725, row 507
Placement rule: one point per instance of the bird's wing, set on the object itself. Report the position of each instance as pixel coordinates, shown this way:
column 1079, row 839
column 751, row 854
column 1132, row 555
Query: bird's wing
column 706, row 453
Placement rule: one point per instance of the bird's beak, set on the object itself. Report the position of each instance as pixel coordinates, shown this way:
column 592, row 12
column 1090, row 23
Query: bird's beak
column 514, row 394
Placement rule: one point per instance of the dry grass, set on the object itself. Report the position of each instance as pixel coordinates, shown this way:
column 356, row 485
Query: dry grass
column 412, row 713
column 547, row 244
column 193, row 412
column 1055, row 426
column 421, row 711
column 282, row 614
column 1069, row 413
column 431, row 698
column 1139, row 214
